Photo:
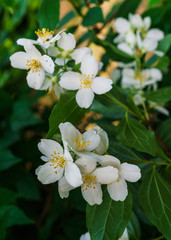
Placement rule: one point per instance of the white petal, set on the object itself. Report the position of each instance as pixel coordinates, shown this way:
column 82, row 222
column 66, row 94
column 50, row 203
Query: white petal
column 136, row 21
column 109, row 160
column 85, row 236
column 47, row 83
column 91, row 139
column 125, row 48
column 93, row 195
column 72, row 174
column 125, row 235
column 89, row 65
column 84, row 97
column 47, row 64
column 147, row 23
column 119, row 38
column 100, row 65
column 155, row 34
column 69, row 133
column 56, row 37
column 29, row 47
column 104, row 141
column 19, row 60
column 67, row 41
column 128, row 72
column 47, row 147
column 47, row 174
column 45, row 159
column 101, row 85
column 130, row 38
column 139, row 40
column 53, row 51
column 155, row 74
column 86, row 165
column 118, row 190
column 122, row 25
column 149, row 44
column 64, row 187
column 162, row 110
column 70, row 80
column 79, row 54
column 35, row 78
column 90, row 155
column 130, row 172
column 106, row 175
column 60, row 61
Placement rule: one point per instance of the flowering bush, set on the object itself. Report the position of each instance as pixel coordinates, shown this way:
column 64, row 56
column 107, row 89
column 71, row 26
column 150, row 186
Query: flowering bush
column 119, row 165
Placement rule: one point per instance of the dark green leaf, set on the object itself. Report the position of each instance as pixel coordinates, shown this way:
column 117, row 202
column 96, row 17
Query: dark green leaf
column 134, row 229
column 155, row 195
column 48, row 15
column 66, row 110
column 7, row 159
column 128, row 7
column 108, row 220
column 165, row 44
column 164, row 131
column 66, row 19
column 7, row 196
column 163, row 63
column 161, row 95
column 134, row 134
column 93, row 16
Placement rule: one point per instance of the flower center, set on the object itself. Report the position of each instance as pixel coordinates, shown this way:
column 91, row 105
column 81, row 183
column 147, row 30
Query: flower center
column 56, row 160
column 33, row 65
column 86, row 80
column 81, row 143
column 89, row 181
column 45, row 35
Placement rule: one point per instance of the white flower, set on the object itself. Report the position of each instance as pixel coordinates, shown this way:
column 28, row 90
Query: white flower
column 155, row 34
column 104, row 141
column 146, row 45
column 67, row 41
column 33, row 61
column 64, row 187
column 85, row 236
column 50, row 84
column 93, row 178
column 118, row 188
column 132, row 79
column 79, row 54
column 81, row 144
column 125, row 48
column 58, row 163
column 86, row 82
column 136, row 21
column 125, row 235
column 159, row 108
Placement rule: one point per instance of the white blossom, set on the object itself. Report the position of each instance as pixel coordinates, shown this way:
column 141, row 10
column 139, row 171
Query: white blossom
column 79, row 54
column 59, row 163
column 104, row 141
column 93, row 178
column 127, row 172
column 34, row 62
column 139, row 80
column 86, row 83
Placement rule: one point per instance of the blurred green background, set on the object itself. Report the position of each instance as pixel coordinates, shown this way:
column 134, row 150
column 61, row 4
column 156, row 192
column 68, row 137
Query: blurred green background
column 28, row 209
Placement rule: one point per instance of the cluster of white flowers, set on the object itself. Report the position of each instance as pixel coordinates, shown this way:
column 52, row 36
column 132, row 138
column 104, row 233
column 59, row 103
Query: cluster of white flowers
column 49, row 70
column 83, row 163
column 135, row 38
column 124, row 236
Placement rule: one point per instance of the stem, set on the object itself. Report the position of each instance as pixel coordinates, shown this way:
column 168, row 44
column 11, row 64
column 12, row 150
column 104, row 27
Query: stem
column 161, row 237
column 152, row 162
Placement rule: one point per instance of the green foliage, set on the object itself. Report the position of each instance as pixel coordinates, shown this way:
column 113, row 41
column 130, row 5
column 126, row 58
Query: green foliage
column 48, row 15
column 93, row 16
column 7, row 159
column 108, row 220
column 161, row 95
column 66, row 110
column 155, row 199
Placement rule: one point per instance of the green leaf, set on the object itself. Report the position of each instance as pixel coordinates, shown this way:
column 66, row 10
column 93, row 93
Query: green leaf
column 66, row 110
column 164, row 131
column 154, row 2
column 18, row 217
column 134, row 229
column 128, row 7
column 93, row 16
column 133, row 133
column 48, row 14
column 155, row 196
column 4, row 221
column 112, row 51
column 161, row 95
column 66, row 18
column 108, row 220
column 7, row 196
column 7, row 159
column 165, row 44
column 163, row 63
